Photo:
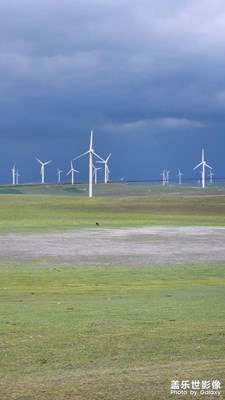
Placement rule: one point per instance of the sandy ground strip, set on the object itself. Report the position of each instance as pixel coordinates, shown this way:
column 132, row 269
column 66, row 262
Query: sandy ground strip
column 158, row 244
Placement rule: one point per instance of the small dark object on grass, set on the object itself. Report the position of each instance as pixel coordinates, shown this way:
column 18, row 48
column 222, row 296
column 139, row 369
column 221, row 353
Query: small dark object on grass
column 97, row 224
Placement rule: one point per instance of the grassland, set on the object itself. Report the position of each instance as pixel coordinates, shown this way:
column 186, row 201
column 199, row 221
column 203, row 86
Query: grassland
column 50, row 208
column 112, row 331
column 109, row 332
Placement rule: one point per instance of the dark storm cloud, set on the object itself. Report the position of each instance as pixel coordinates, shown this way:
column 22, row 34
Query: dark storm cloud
column 143, row 69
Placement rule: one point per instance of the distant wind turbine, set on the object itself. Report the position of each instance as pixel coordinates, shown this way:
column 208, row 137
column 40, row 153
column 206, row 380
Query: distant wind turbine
column 163, row 176
column 179, row 176
column 95, row 173
column 167, row 176
column 14, row 174
column 91, row 153
column 59, row 174
column 107, row 171
column 42, row 172
column 72, row 171
column 203, row 164
column 211, row 176
column 17, row 177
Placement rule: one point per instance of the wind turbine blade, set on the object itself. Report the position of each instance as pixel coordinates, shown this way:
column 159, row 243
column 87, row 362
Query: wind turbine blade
column 86, row 152
column 96, row 155
column 108, row 157
column 198, row 165
column 47, row 162
column 39, row 160
column 91, row 140
column 101, row 162
column 208, row 166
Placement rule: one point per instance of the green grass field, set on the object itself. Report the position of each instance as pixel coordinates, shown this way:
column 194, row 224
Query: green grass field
column 51, row 208
column 108, row 331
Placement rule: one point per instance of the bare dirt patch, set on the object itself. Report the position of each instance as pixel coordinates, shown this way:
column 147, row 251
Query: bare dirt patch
column 164, row 245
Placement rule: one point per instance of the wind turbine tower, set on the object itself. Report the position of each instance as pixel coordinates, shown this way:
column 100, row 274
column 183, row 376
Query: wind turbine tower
column 203, row 164
column 167, row 176
column 164, row 177
column 105, row 162
column 179, row 177
column 14, row 174
column 17, row 177
column 211, row 176
column 95, row 173
column 42, row 172
column 91, row 153
column 59, row 174
column 72, row 171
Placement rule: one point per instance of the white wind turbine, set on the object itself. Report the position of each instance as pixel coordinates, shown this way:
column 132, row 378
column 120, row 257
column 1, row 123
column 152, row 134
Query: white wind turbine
column 203, row 163
column 164, row 176
column 91, row 153
column 167, row 176
column 179, row 176
column 95, row 173
column 107, row 171
column 14, row 174
column 42, row 172
column 211, row 176
column 17, row 177
column 72, row 171
column 59, row 174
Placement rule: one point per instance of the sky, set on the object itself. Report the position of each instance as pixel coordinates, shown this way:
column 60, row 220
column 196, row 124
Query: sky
column 147, row 76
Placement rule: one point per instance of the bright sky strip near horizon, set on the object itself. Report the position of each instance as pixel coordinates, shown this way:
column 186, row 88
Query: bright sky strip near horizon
column 148, row 77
